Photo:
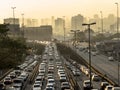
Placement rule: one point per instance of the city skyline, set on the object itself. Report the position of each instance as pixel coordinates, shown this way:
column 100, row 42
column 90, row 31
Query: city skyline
column 109, row 22
column 58, row 8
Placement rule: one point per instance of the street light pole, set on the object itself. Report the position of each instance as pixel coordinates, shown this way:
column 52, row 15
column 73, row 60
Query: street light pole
column 13, row 19
column 117, row 17
column 101, row 22
column 89, row 49
column 64, row 26
column 23, row 23
column 75, row 33
column 118, row 40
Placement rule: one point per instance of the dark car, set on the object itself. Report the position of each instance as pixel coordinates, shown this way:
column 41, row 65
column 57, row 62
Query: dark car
column 7, row 81
column 2, row 86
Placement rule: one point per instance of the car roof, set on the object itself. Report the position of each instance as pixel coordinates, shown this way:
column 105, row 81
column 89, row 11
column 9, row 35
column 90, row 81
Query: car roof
column 65, row 82
column 86, row 80
column 50, row 79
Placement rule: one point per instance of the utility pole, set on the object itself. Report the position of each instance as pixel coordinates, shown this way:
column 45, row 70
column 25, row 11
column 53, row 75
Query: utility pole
column 101, row 22
column 22, row 24
column 64, row 27
column 118, row 41
column 13, row 20
column 75, row 33
column 89, row 24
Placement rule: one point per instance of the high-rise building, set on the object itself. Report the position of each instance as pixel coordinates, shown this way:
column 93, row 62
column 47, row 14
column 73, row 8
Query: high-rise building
column 45, row 21
column 97, row 27
column 113, row 27
column 76, row 22
column 14, row 27
column 43, row 33
column 53, row 21
column 11, row 21
column 59, row 26
column 31, row 22
column 34, row 22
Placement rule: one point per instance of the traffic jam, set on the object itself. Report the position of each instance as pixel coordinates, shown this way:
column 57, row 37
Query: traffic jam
column 51, row 71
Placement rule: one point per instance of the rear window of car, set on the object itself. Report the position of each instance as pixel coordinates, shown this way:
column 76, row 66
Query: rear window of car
column 36, row 85
column 17, row 81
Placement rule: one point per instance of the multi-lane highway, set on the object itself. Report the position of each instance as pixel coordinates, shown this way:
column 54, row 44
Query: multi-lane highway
column 54, row 72
column 101, row 62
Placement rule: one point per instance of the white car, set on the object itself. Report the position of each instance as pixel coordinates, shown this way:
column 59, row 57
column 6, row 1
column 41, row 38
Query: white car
column 86, row 85
column 94, row 53
column 50, row 85
column 103, row 85
column 60, row 71
column 17, row 83
column 51, row 81
column 38, row 82
column 110, row 58
column 109, row 87
column 24, row 75
column 63, row 79
column 50, row 77
column 86, row 71
column 76, row 72
column 95, row 77
column 39, row 78
column 36, row 87
column 65, row 85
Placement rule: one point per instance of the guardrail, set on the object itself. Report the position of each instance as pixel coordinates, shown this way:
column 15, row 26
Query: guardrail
column 34, row 73
column 5, row 74
column 71, row 80
column 102, row 75
column 70, row 77
column 32, row 76
column 80, row 60
column 96, row 71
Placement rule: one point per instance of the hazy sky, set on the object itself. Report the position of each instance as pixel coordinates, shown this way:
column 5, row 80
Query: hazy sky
column 58, row 8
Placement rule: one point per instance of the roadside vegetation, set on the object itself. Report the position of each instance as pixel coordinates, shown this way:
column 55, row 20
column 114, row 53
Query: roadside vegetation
column 82, row 36
column 12, row 50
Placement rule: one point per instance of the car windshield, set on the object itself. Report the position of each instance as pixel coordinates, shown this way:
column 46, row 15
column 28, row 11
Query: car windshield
column 17, row 81
column 109, row 88
column 50, row 85
column 63, row 76
column 96, row 76
column 7, row 78
column 87, row 82
column 51, row 81
column 36, row 85
column 49, row 89
column 17, row 86
column 39, row 79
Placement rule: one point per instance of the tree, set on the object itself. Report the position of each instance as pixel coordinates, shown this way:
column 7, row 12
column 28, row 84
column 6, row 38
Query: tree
column 99, row 37
column 11, row 50
column 81, row 36
column 3, row 31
